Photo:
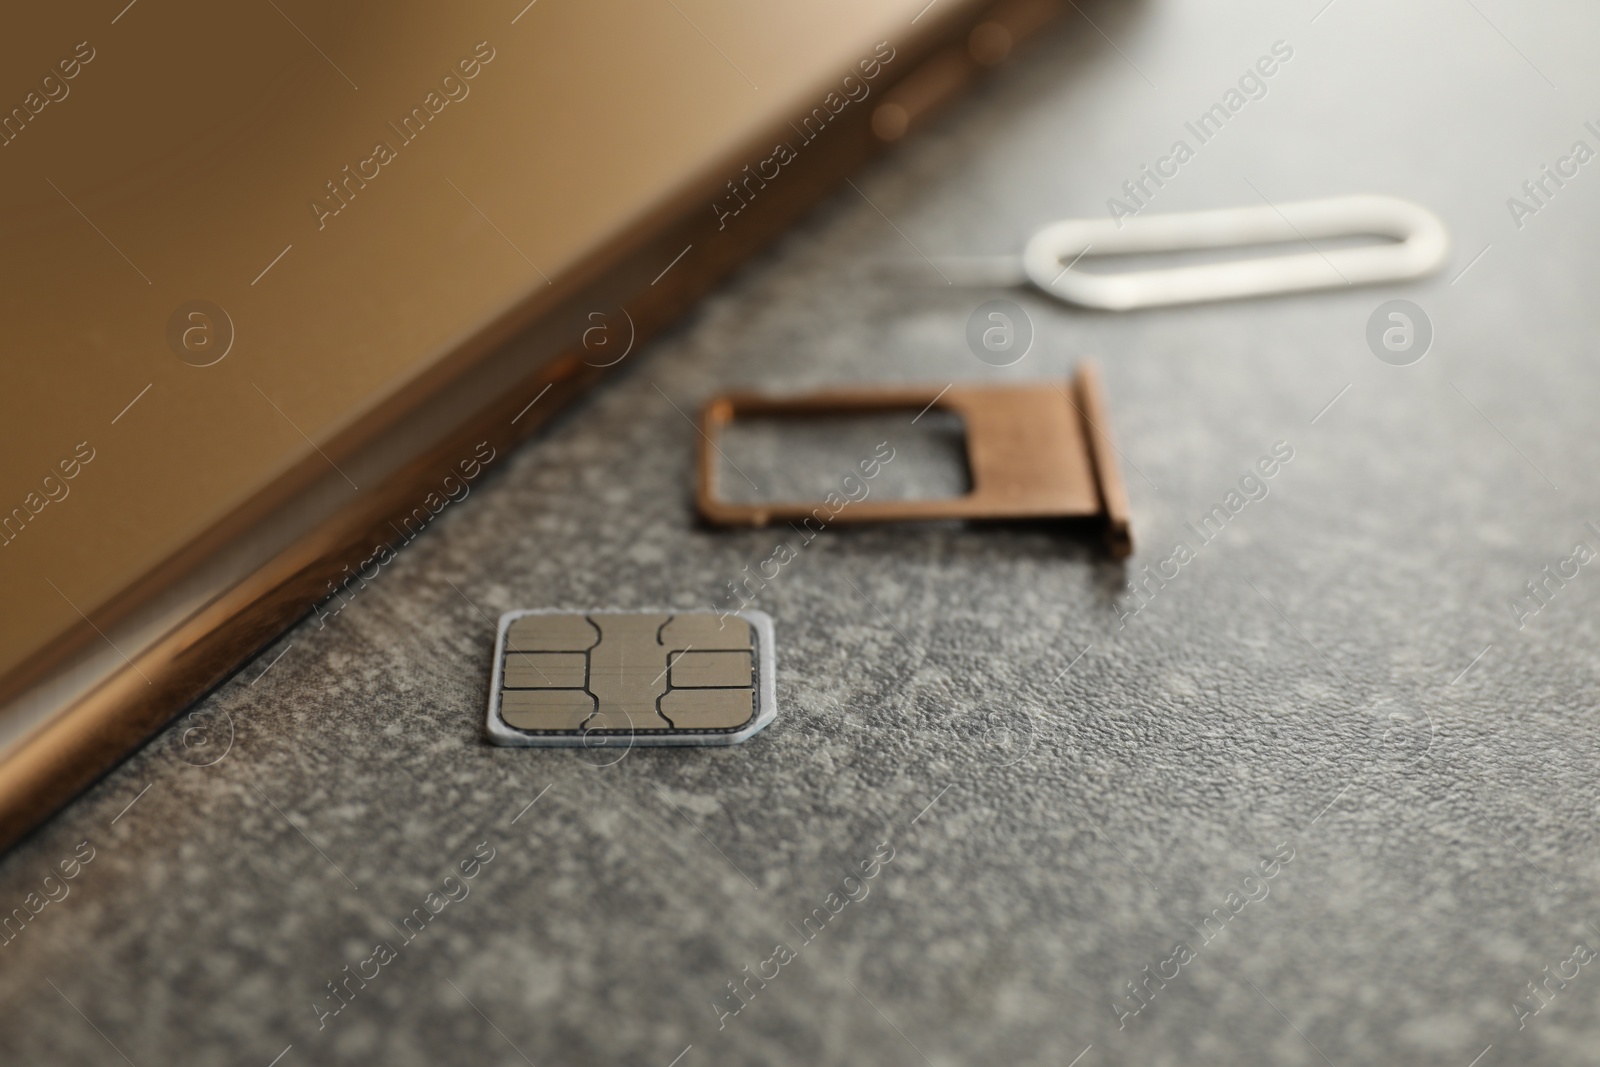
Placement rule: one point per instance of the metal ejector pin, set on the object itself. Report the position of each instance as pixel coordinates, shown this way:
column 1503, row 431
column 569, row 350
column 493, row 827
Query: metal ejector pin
column 1417, row 245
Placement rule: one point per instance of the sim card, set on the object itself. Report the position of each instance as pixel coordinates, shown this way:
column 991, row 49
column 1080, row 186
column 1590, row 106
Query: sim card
column 566, row 678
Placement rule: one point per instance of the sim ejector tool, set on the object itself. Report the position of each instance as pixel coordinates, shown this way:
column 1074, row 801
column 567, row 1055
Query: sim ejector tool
column 1419, row 246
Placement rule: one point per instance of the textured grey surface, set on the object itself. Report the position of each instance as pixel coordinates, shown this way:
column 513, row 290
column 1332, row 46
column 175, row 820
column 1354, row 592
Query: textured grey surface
column 1065, row 798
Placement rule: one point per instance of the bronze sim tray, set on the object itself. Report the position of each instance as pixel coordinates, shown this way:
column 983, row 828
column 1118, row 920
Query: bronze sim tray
column 1034, row 451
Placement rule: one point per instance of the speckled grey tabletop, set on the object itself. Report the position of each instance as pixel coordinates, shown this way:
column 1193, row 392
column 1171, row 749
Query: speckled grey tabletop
column 1326, row 794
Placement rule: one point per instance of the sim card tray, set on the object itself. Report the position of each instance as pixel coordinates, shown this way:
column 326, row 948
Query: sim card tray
column 1035, row 451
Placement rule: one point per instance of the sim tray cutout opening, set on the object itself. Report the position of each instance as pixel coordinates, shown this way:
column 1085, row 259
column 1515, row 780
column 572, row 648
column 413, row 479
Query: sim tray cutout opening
column 1035, row 451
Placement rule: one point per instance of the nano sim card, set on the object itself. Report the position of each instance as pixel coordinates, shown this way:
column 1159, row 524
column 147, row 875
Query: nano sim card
column 659, row 678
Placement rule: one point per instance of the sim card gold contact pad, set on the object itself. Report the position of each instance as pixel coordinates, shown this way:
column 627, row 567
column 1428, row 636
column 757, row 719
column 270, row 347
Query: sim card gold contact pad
column 656, row 677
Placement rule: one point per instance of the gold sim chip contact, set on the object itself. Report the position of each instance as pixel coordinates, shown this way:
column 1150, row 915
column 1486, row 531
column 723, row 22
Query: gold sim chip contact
column 564, row 678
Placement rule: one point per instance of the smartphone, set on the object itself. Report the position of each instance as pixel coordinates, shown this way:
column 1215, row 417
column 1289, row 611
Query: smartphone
column 284, row 279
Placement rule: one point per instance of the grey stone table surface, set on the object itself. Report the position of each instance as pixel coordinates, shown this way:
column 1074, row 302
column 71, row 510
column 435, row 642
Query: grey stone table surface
column 1325, row 794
